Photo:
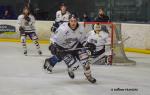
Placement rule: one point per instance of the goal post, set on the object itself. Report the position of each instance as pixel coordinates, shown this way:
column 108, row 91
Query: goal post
column 117, row 49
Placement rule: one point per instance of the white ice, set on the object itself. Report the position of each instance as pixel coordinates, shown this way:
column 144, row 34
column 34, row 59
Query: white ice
column 23, row 75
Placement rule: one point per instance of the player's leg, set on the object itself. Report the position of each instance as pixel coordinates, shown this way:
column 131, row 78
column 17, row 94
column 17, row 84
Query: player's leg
column 23, row 41
column 68, row 59
column 71, row 63
column 108, row 55
column 52, row 61
column 55, row 59
column 83, row 57
column 34, row 38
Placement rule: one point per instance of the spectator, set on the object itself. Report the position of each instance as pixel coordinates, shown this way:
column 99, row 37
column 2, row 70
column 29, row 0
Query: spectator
column 6, row 15
column 85, row 17
column 101, row 16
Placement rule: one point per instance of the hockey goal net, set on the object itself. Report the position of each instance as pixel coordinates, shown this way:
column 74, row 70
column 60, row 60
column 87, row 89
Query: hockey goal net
column 118, row 56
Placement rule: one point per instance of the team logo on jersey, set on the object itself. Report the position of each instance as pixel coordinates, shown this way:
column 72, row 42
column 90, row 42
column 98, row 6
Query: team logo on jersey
column 70, row 40
column 67, row 32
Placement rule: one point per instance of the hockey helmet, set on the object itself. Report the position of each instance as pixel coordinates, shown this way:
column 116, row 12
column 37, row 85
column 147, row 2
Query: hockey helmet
column 97, row 27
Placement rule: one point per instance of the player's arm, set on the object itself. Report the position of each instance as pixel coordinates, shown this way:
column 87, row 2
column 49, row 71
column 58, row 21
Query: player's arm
column 55, row 41
column 107, row 38
column 58, row 18
column 19, row 21
column 32, row 20
column 20, row 24
column 67, row 17
column 58, row 37
column 85, row 41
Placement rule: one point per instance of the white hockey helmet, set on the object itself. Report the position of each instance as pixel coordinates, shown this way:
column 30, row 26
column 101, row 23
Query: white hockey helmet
column 97, row 27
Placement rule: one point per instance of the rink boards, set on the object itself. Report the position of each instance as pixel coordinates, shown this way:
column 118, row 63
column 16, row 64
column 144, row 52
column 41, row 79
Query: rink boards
column 139, row 33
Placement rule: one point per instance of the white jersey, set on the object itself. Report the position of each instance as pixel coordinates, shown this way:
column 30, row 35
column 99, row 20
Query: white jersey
column 68, row 38
column 62, row 17
column 27, row 26
column 99, row 39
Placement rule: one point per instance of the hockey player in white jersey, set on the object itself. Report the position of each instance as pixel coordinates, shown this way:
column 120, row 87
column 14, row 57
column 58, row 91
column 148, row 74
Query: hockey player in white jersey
column 100, row 39
column 62, row 16
column 71, row 35
column 26, row 27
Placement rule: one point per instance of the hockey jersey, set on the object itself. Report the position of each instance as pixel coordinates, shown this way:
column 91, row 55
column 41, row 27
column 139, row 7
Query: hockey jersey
column 99, row 39
column 62, row 17
column 68, row 38
column 28, row 26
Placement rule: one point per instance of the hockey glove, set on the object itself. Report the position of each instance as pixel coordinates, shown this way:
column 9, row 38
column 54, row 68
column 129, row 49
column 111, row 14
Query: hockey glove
column 21, row 29
column 91, row 46
column 55, row 50
column 27, row 18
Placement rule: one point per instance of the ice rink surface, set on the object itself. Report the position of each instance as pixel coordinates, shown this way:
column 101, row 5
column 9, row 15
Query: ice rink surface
column 23, row 75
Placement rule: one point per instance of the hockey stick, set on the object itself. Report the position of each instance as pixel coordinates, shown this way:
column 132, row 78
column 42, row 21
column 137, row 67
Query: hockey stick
column 118, row 43
column 77, row 49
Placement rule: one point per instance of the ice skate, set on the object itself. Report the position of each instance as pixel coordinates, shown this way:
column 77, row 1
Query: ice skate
column 90, row 79
column 71, row 74
column 40, row 52
column 25, row 53
column 47, row 66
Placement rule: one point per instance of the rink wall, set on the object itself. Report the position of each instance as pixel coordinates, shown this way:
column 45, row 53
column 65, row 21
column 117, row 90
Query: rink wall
column 139, row 34
column 42, row 27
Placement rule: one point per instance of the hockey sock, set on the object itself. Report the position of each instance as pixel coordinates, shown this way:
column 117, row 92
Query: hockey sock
column 37, row 44
column 23, row 41
column 87, row 70
column 53, row 60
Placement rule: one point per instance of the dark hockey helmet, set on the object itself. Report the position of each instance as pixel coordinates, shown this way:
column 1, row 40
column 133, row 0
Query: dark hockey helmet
column 73, row 15
column 62, row 4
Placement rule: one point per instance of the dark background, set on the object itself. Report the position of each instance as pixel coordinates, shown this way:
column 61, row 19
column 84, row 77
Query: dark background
column 117, row 10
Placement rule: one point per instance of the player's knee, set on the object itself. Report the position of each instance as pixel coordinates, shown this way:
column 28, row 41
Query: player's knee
column 34, row 38
column 87, row 66
column 53, row 60
column 71, row 62
column 83, row 55
column 23, row 39
column 52, row 48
